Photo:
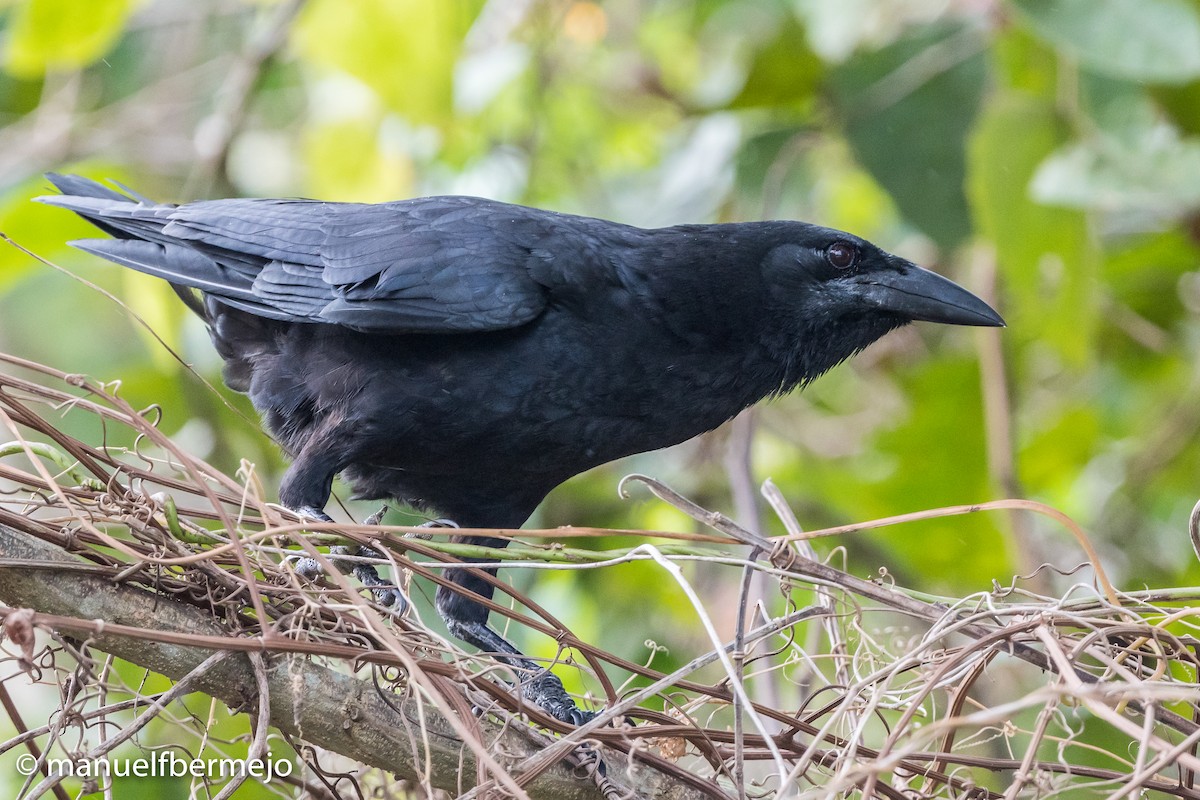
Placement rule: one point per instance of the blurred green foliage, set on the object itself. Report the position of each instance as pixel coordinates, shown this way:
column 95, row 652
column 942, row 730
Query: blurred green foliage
column 1044, row 142
column 1044, row 151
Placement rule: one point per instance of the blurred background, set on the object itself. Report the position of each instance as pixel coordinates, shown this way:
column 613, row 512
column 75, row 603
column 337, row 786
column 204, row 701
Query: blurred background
column 1044, row 153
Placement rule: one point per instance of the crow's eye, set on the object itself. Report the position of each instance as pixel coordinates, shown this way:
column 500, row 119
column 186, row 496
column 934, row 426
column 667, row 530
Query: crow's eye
column 842, row 255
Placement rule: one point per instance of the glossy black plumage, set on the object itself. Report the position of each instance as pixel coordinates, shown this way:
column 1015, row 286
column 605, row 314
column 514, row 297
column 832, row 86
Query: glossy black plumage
column 467, row 356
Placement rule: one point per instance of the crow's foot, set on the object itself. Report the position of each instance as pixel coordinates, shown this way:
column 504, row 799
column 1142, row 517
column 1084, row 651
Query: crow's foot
column 433, row 523
column 539, row 685
column 546, row 690
column 386, row 593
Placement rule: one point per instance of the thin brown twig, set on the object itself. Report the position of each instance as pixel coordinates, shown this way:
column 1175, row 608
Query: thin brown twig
column 1116, row 650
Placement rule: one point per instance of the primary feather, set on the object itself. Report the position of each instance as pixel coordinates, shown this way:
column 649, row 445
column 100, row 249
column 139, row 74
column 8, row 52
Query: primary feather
column 414, row 266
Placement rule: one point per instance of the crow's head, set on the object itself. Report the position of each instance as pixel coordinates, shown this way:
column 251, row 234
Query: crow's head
column 832, row 294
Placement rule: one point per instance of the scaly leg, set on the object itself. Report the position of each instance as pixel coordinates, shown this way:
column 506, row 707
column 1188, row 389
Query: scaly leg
column 307, row 486
column 466, row 619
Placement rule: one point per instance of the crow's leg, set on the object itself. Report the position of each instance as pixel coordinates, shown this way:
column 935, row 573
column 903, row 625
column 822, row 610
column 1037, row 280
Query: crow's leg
column 387, row 593
column 467, row 620
column 306, row 487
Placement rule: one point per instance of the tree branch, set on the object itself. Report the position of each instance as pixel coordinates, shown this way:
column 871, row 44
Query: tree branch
column 327, row 708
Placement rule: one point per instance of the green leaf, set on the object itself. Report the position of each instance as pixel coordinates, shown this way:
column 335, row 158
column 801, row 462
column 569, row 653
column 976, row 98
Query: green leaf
column 1128, row 163
column 1148, row 40
column 1131, row 164
column 405, row 50
column 1157, row 176
column 347, row 161
column 907, row 111
column 39, row 228
column 1022, row 60
column 62, row 34
column 1182, row 104
column 1044, row 254
column 1144, row 270
column 1056, row 448
column 962, row 551
column 784, row 73
column 156, row 303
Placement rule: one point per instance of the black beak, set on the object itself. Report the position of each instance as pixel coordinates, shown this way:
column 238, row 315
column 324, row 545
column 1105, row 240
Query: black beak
column 919, row 294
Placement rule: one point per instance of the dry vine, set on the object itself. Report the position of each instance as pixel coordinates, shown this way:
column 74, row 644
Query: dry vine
column 891, row 693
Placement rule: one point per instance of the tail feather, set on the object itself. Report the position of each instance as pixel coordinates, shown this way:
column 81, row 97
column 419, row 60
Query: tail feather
column 123, row 219
column 241, row 326
column 137, row 223
column 77, row 187
column 174, row 264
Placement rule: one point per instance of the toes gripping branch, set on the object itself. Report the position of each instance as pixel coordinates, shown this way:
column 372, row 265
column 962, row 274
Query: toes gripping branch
column 350, row 560
column 538, row 685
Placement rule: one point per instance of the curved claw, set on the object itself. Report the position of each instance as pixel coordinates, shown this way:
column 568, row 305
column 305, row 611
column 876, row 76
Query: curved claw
column 307, row 566
column 546, row 690
column 392, row 599
column 386, row 593
column 581, row 717
column 377, row 517
column 433, row 523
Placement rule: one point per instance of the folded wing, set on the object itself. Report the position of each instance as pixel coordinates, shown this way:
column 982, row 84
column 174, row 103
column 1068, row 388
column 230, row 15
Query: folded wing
column 429, row 265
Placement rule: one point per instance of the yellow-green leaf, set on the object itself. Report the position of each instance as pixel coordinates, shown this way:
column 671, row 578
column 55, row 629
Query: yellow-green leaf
column 1046, row 259
column 345, row 161
column 1145, row 40
column 405, row 50
column 62, row 34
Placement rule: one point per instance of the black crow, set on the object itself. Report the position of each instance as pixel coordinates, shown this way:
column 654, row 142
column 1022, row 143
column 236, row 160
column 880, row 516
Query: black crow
column 467, row 356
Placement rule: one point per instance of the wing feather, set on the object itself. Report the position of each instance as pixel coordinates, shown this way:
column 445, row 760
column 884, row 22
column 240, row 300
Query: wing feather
column 428, row 265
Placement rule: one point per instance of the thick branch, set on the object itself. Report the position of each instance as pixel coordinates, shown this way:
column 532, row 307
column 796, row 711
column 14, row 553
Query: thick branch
column 324, row 707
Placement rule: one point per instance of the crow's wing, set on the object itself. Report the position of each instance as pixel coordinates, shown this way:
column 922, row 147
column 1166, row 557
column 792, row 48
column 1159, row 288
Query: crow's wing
column 434, row 264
